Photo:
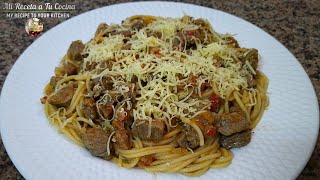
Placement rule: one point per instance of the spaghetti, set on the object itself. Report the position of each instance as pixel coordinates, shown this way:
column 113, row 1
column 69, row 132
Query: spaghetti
column 164, row 94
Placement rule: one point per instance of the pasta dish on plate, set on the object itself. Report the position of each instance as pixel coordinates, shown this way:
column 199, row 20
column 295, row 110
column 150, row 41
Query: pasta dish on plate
column 163, row 94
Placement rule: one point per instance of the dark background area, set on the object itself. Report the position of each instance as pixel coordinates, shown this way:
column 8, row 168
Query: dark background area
column 295, row 23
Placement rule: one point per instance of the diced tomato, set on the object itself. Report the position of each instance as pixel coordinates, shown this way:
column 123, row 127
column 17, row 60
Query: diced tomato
column 204, row 86
column 146, row 161
column 119, row 122
column 190, row 33
column 157, row 51
column 215, row 102
column 211, row 132
column 194, row 80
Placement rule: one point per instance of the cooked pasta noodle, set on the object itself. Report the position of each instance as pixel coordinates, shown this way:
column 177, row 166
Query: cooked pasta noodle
column 164, row 94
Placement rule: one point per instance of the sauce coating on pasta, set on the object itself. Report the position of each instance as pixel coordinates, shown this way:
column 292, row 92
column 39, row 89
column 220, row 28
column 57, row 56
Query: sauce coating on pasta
column 163, row 94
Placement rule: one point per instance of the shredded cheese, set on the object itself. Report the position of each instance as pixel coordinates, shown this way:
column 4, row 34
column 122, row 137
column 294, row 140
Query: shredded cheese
column 108, row 143
column 160, row 74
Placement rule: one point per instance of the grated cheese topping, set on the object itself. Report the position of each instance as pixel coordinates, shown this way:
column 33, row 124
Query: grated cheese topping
column 164, row 87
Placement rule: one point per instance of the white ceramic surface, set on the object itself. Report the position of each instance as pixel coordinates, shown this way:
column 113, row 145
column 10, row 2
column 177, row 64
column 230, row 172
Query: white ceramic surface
column 281, row 145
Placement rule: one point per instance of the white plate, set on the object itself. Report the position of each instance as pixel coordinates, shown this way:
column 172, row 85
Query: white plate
column 281, row 145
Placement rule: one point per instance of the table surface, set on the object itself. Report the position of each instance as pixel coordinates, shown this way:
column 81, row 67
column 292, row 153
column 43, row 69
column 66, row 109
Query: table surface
column 295, row 23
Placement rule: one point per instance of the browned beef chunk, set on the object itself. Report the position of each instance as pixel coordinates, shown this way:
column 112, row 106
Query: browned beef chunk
column 89, row 66
column 122, row 121
column 106, row 110
column 89, row 108
column 186, row 19
column 157, row 130
column 134, row 79
column 54, row 80
column 70, row 69
column 178, row 42
column 106, row 83
column 125, row 33
column 200, row 22
column 251, row 80
column 198, row 34
column 138, row 24
column 63, row 97
column 233, row 122
column 188, row 137
column 145, row 161
column 236, row 140
column 102, row 27
column 232, row 42
column 130, row 119
column 155, row 34
column 123, row 139
column 251, row 57
column 127, row 46
column 75, row 50
column 188, row 38
column 235, row 108
column 96, row 140
column 206, row 121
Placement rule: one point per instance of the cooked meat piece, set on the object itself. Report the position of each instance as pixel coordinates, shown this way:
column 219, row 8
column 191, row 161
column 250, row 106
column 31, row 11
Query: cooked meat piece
column 106, row 110
column 54, row 80
column 121, row 121
column 96, row 141
column 206, row 121
column 125, row 33
column 193, row 35
column 105, row 82
column 106, row 65
column 155, row 34
column 70, row 69
column 250, row 80
column 134, row 79
column 146, row 161
column 232, row 42
column 236, row 140
column 97, row 90
column 131, row 93
column 233, row 122
column 200, row 22
column 186, row 19
column 89, row 108
column 175, row 121
column 198, row 34
column 129, row 121
column 59, row 71
column 101, row 28
column 43, row 100
column 178, row 42
column 235, row 108
column 155, row 51
column 188, row 38
column 251, row 57
column 157, row 130
column 188, row 137
column 122, row 139
column 138, row 24
column 63, row 97
column 127, row 46
column 89, row 66
column 75, row 50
